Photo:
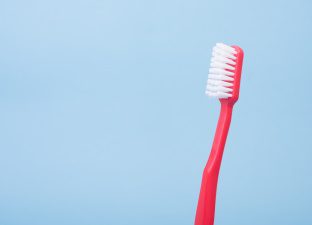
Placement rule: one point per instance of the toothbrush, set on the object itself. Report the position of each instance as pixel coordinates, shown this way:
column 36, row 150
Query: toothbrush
column 223, row 83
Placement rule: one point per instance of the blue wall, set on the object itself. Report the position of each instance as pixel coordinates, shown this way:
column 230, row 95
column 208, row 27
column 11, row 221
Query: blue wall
column 104, row 120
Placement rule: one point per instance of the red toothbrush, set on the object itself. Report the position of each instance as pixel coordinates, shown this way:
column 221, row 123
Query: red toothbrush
column 223, row 83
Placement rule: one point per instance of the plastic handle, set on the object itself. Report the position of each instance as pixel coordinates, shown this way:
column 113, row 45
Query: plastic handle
column 207, row 198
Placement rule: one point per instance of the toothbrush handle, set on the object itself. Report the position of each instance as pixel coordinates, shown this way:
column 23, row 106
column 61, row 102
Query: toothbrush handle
column 207, row 197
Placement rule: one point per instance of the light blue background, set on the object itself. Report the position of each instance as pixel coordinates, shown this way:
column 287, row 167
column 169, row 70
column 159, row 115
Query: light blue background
column 104, row 120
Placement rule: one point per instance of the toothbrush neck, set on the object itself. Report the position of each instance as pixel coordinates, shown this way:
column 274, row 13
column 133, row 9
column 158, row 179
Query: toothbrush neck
column 220, row 135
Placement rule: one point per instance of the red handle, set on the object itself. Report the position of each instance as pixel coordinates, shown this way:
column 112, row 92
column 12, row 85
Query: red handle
column 207, row 197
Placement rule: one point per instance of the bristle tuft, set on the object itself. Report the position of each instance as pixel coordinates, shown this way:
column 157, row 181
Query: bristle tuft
column 221, row 72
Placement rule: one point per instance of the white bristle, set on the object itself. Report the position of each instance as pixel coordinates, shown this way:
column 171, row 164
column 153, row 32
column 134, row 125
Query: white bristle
column 222, row 66
column 219, row 77
column 220, row 71
column 224, row 53
column 219, row 58
column 219, row 83
column 226, row 48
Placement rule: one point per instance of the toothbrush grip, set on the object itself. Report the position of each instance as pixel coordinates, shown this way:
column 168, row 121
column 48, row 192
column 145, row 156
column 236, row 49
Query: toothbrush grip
column 207, row 198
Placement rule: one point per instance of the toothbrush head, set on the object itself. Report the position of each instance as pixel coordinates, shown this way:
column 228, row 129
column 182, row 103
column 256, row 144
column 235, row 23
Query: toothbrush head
column 225, row 72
